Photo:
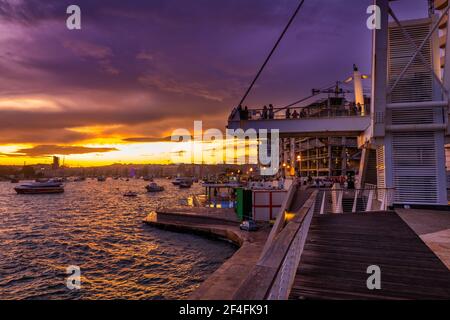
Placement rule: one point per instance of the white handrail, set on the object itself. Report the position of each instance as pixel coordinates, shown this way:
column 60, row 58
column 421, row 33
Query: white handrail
column 340, row 201
column 284, row 280
column 281, row 217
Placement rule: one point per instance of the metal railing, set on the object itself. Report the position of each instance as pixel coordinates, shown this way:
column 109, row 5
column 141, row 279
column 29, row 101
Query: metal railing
column 295, row 113
column 284, row 280
column 273, row 275
column 338, row 200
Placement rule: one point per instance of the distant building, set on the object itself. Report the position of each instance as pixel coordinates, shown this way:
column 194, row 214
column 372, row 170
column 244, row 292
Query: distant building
column 55, row 164
column 326, row 156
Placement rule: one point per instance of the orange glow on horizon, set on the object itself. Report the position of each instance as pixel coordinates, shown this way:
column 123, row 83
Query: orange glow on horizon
column 126, row 153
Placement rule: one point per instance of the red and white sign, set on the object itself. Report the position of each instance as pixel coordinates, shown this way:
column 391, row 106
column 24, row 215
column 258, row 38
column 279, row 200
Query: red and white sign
column 267, row 203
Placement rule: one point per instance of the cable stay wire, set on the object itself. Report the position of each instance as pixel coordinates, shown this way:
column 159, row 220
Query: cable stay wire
column 272, row 52
column 305, row 98
column 342, row 83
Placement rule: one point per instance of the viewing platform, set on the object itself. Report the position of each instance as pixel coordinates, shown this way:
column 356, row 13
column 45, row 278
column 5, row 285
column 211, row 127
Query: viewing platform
column 332, row 121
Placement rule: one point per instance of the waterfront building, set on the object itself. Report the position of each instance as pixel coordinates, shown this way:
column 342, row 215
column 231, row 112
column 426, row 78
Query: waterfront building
column 55, row 164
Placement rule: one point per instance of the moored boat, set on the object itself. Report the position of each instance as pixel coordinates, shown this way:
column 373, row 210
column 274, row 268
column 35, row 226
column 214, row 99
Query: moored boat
column 182, row 180
column 153, row 187
column 177, row 181
column 130, row 194
column 40, row 188
column 185, row 184
column 101, row 179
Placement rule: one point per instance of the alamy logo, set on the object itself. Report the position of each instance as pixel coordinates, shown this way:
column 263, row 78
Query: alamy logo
column 74, row 279
column 256, row 147
column 73, row 22
column 374, row 20
column 374, row 281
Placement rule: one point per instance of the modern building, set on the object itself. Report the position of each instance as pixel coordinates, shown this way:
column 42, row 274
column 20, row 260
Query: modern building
column 55, row 163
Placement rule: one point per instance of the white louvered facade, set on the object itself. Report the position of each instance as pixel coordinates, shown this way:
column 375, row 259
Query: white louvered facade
column 417, row 84
column 415, row 167
column 411, row 158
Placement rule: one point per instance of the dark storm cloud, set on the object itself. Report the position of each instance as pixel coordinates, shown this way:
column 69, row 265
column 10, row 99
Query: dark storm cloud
column 155, row 65
column 147, row 139
column 48, row 150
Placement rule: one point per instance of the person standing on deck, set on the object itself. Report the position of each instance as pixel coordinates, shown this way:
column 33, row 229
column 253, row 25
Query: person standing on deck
column 271, row 113
column 303, row 113
column 359, row 108
column 246, row 113
column 239, row 110
column 264, row 113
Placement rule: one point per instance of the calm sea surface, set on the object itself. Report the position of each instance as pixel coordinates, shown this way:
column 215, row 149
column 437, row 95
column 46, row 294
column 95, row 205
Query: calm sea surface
column 94, row 227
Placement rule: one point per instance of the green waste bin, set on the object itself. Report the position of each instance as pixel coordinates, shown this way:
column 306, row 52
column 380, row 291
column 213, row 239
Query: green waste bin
column 243, row 204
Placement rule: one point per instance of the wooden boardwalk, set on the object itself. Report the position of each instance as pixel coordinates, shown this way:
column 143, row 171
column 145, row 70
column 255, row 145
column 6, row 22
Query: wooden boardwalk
column 339, row 249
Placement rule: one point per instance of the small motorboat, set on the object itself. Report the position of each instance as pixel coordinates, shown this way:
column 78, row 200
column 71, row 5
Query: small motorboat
column 153, row 187
column 15, row 180
column 147, row 178
column 40, row 188
column 101, row 179
column 177, row 181
column 185, row 184
column 182, row 180
column 130, row 194
column 79, row 179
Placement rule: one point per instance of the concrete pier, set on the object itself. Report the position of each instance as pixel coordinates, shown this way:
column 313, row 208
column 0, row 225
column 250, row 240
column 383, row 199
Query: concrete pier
column 225, row 281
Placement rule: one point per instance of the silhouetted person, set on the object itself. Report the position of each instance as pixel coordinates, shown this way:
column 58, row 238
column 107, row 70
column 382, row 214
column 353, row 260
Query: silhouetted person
column 295, row 114
column 264, row 113
column 239, row 110
column 355, row 109
column 271, row 113
column 359, row 108
column 288, row 113
column 246, row 113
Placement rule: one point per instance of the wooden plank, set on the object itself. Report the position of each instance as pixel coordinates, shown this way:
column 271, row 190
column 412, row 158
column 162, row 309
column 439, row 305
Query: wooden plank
column 256, row 285
column 341, row 247
column 261, row 278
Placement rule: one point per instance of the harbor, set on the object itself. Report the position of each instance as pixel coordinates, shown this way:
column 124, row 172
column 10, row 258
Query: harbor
column 120, row 256
column 303, row 191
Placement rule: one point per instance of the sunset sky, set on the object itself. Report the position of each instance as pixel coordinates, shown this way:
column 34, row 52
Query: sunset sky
column 137, row 70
